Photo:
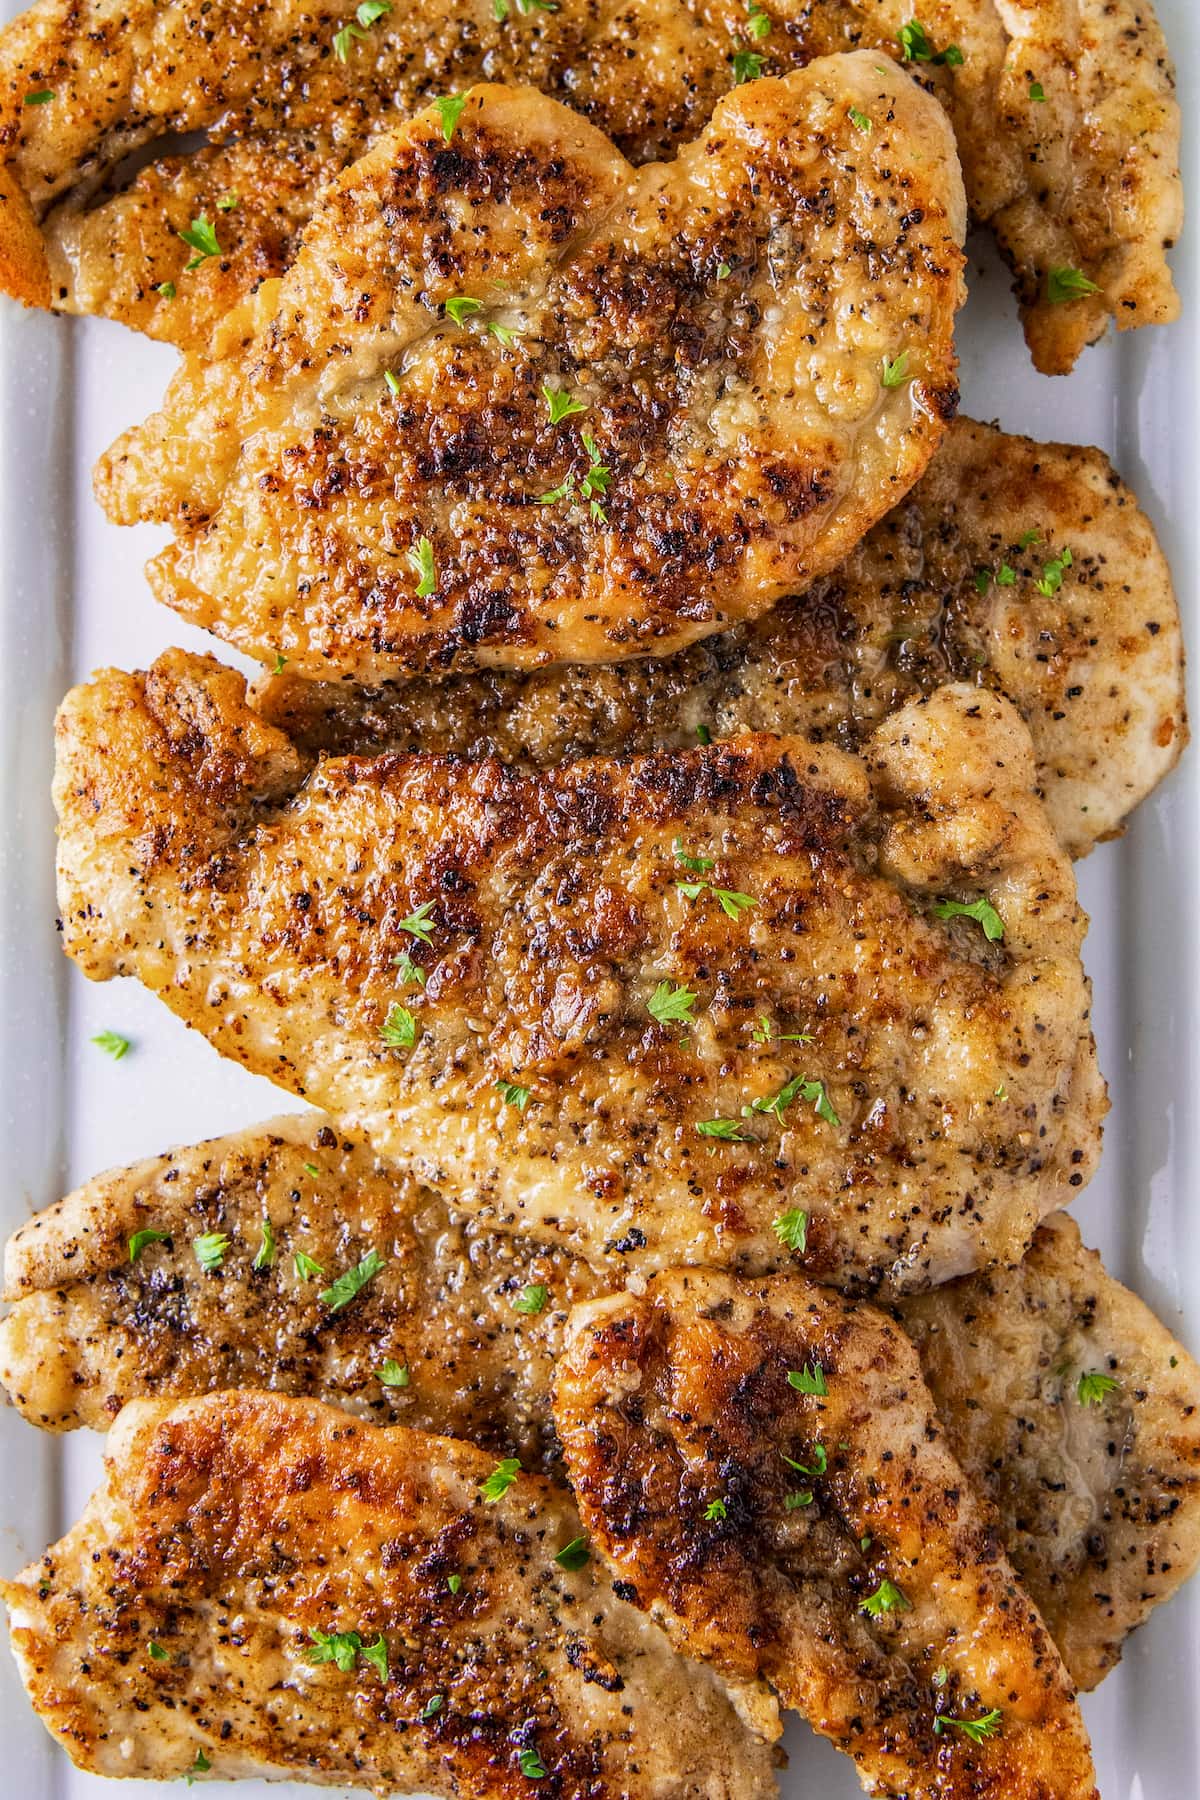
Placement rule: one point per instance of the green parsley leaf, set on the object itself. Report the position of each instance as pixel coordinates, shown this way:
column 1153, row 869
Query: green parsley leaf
column 800, row 1087
column 895, row 370
column 201, row 1766
column 532, row 1299
column 1005, row 576
column 157, row 1651
column 531, row 1765
column 433, row 1705
column 983, row 580
column 574, row 1555
column 450, row 108
column 703, row 734
column 343, row 1649
column 976, row 1729
column 1093, row 1387
column 461, row 307
column 166, row 289
column 716, row 1509
column 916, row 47
column 724, row 271
column 820, row 1461
column 747, row 66
column 982, row 911
column 1063, row 284
column 377, row 1655
column 393, row 382
column 394, row 1374
column 39, row 97
column 369, row 12
column 342, row 40
column 796, row 1499
column 500, row 1480
column 399, row 1029
column 305, row 1266
column 562, row 405
column 1036, row 91
column 210, row 1248
column 733, row 904
column 202, row 238
column 669, row 1005
column 728, row 1130
column 513, row 1095
column 280, row 663
column 791, row 1228
column 808, row 1380
column 140, row 1239
column 858, row 119
column 1052, row 573
column 698, row 865
column 419, row 923
column 499, row 11
column 112, row 1044
column 343, row 1289
column 454, row 1583
column 264, row 1256
column 228, row 202
column 407, row 970
column 886, row 1598
column 311, row 1169
column 419, row 558
column 758, row 24
column 507, row 336
column 1028, row 537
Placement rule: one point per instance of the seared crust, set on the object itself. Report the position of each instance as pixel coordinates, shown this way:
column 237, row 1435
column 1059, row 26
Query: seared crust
column 677, row 1418
column 267, row 910
column 724, row 320
column 92, row 1328
column 1095, row 668
column 1087, row 178
column 229, row 1530
column 1101, row 1501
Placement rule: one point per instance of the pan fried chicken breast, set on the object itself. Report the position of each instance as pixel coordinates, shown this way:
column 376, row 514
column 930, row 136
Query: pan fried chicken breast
column 454, row 1332
column 1077, row 1415
column 1085, row 179
column 761, row 1467
column 967, row 579
column 689, row 410
column 265, row 1586
column 737, row 1004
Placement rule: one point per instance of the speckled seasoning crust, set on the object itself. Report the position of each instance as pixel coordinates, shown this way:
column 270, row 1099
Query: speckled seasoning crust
column 1101, row 1500
column 950, row 586
column 723, row 323
column 950, row 1095
column 879, row 1603
column 1086, row 178
column 229, row 1530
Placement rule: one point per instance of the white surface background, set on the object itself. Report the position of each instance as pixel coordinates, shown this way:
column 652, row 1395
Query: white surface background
column 72, row 597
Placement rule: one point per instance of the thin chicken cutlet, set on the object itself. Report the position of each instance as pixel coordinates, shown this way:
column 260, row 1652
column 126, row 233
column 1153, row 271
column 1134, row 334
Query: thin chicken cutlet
column 756, row 1003
column 516, row 403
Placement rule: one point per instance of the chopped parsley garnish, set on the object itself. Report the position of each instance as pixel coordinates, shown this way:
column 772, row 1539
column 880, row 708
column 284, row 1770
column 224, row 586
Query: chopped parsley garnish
column 1036, row 91
column 747, row 65
column 820, row 1461
column 791, row 1228
column 39, row 97
column 228, row 202
column 343, row 1289
column 895, row 370
column 140, row 1239
column 461, row 307
column 591, row 486
column 524, row 8
column 264, row 1256
column 1093, row 1387
column 797, row 1498
column 1051, row 578
column 166, row 289
column 343, row 1648
column 858, row 119
column 306, row 1266
column 365, row 15
column 916, row 47
column 716, row 1509
column 574, row 1555
column 454, row 1583
column 280, row 663
column 671, row 1005
column 419, row 923
column 419, row 558
column 762, row 1033
column 201, row 1766
column 156, row 1651
column 500, row 1480
column 732, row 903
column 886, row 1598
column 399, row 1029
column 394, row 1374
column 210, row 1250
column 450, row 108
column 1005, row 575
column 758, row 23
column 201, row 237
column 703, row 734
column 728, row 1130
column 531, row 1765
column 311, row 1169
column 1067, row 284
column 506, row 335
column 532, row 1299
column 433, row 1705
column 982, row 911
column 513, row 1094
column 724, row 271
column 698, row 865
column 112, row 1044
column 393, row 381
column 562, row 405
column 986, row 1726
column 800, row 1087
column 808, row 1380
column 407, row 970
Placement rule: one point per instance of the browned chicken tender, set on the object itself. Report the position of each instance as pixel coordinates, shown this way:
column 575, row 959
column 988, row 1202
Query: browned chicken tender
column 648, row 1006
column 684, row 415
column 265, row 1586
column 761, row 1466
column 966, row 580
column 1065, row 120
